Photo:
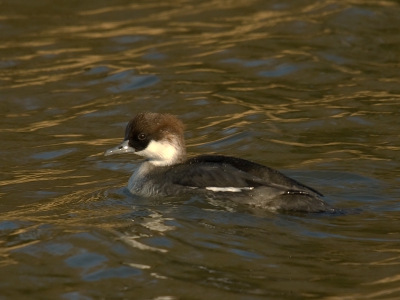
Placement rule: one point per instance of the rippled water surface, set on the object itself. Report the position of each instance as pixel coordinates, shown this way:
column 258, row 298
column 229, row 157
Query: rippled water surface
column 311, row 88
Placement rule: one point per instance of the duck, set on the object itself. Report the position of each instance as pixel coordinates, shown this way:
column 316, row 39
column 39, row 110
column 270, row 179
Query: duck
column 168, row 172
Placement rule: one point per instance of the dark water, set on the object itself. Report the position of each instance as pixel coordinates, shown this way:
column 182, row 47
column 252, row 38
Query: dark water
column 311, row 88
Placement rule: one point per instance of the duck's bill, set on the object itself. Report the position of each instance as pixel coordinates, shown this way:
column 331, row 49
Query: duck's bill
column 121, row 148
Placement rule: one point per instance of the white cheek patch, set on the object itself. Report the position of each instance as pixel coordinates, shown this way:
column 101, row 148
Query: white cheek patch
column 160, row 153
column 228, row 189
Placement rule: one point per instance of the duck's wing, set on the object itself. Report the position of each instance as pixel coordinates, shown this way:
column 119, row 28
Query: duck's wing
column 203, row 174
column 226, row 171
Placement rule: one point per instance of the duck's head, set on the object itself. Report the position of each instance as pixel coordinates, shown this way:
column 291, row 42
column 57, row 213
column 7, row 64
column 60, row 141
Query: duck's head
column 157, row 137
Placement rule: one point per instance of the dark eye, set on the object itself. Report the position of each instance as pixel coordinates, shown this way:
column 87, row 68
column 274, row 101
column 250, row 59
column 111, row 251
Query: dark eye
column 141, row 136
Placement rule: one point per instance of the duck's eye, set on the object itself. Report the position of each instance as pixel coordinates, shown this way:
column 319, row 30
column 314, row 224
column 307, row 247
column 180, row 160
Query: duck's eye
column 141, row 136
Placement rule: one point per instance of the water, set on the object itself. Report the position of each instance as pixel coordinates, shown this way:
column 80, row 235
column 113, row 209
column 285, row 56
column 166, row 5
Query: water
column 307, row 87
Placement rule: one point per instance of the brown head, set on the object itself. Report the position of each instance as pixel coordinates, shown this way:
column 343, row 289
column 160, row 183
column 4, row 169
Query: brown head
column 158, row 137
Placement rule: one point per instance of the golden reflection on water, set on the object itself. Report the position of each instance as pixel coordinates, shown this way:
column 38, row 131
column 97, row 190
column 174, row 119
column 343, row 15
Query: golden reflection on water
column 337, row 159
column 63, row 207
column 226, row 36
column 200, row 70
column 93, row 142
column 374, row 295
column 230, row 118
column 44, row 124
column 132, row 242
column 298, row 144
column 386, row 280
column 123, row 8
column 40, row 175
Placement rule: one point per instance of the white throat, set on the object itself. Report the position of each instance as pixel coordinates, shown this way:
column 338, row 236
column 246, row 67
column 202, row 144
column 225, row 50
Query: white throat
column 162, row 153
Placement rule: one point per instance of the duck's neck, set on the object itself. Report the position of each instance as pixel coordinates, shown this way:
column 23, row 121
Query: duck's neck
column 165, row 152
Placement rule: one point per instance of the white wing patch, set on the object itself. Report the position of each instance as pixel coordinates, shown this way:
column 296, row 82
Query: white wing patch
column 228, row 189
